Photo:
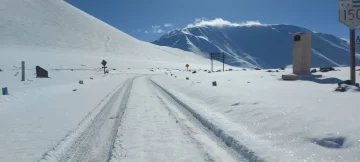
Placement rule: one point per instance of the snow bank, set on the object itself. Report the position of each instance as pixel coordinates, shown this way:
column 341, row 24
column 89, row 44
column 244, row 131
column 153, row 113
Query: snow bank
column 279, row 120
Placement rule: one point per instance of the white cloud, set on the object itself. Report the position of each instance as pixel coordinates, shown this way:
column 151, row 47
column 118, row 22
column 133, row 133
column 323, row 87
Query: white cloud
column 157, row 29
column 168, row 25
column 219, row 22
column 146, row 32
column 198, row 20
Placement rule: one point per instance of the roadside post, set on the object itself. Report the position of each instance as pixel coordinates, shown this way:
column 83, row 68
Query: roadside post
column 187, row 67
column 22, row 70
column 219, row 55
column 5, row 91
column 104, row 65
column 349, row 15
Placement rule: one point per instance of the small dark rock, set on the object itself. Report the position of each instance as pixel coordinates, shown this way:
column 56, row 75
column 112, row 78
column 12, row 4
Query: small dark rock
column 330, row 142
column 282, row 68
column 313, row 71
column 244, row 69
column 248, row 82
column 114, row 69
column 187, row 78
column 177, row 121
column 1, row 70
column 81, row 82
column 326, row 69
column 209, row 72
column 218, row 70
column 230, row 69
column 214, row 83
column 347, row 82
column 194, row 72
column 74, row 90
column 340, row 89
column 205, row 70
column 270, row 71
column 277, row 71
column 91, row 78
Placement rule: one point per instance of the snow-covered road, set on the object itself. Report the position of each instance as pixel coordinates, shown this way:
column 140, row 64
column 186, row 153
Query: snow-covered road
column 146, row 115
column 141, row 122
column 155, row 129
column 94, row 138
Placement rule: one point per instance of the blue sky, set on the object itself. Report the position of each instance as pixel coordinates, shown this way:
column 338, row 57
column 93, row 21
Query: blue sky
column 148, row 19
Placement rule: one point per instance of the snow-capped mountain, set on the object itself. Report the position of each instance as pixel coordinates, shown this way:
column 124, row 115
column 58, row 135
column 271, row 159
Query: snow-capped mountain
column 253, row 44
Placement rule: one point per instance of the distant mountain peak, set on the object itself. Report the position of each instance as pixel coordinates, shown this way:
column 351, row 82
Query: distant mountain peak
column 253, row 44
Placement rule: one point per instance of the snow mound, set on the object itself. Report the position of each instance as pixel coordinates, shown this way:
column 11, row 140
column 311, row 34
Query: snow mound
column 56, row 27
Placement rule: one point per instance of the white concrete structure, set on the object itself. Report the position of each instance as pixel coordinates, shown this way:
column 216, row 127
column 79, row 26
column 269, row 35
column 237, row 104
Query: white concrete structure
column 301, row 57
column 302, row 53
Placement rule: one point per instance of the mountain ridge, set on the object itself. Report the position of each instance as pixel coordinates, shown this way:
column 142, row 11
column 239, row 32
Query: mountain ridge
column 255, row 44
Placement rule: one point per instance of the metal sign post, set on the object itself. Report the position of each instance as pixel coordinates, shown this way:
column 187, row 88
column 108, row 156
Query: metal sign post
column 22, row 70
column 219, row 56
column 104, row 65
column 349, row 15
column 211, row 55
column 352, row 51
column 223, row 59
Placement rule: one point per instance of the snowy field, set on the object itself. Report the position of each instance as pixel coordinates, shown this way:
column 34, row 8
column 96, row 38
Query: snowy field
column 144, row 109
column 39, row 114
column 277, row 120
column 123, row 116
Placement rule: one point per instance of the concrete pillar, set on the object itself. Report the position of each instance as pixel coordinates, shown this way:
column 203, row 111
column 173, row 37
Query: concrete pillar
column 302, row 53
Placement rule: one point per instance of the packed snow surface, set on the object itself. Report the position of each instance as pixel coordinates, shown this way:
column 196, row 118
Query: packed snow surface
column 144, row 109
column 278, row 120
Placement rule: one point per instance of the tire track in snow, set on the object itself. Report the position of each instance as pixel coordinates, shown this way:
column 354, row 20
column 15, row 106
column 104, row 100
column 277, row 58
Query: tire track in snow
column 211, row 145
column 228, row 140
column 149, row 133
column 93, row 139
